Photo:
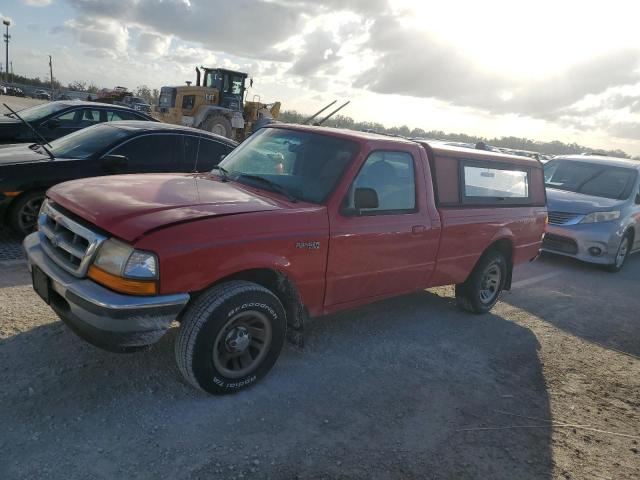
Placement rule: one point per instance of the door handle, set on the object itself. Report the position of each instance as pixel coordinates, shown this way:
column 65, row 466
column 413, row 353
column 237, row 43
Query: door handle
column 418, row 229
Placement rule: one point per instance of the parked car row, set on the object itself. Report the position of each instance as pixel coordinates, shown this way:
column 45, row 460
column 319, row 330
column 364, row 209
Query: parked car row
column 9, row 90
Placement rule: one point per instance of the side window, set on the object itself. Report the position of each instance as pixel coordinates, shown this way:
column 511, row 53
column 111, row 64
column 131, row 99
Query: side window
column 392, row 176
column 67, row 119
column 489, row 184
column 89, row 117
column 115, row 115
column 148, row 150
column 208, row 153
column 188, row 101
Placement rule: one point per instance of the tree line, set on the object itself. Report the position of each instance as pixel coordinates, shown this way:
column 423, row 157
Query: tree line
column 554, row 147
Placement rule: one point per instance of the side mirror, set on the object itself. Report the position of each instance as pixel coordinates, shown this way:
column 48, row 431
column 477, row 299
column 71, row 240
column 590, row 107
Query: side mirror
column 365, row 198
column 53, row 124
column 112, row 163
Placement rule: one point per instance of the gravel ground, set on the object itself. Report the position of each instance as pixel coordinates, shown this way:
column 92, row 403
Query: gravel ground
column 384, row 391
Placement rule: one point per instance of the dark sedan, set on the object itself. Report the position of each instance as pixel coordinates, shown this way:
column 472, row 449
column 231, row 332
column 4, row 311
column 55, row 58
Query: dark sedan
column 26, row 171
column 55, row 119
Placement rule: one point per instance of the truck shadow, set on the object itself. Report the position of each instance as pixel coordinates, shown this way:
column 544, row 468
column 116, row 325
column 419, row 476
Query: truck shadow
column 378, row 392
column 587, row 301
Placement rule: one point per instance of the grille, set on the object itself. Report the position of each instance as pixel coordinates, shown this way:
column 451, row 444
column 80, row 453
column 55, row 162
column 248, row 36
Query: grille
column 559, row 243
column 562, row 218
column 69, row 244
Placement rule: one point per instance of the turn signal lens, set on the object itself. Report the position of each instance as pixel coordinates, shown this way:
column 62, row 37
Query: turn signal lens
column 11, row 194
column 122, row 285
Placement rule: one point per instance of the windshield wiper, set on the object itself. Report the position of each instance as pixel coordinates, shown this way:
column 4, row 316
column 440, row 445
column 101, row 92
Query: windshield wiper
column 275, row 186
column 44, row 140
column 224, row 174
column 36, row 146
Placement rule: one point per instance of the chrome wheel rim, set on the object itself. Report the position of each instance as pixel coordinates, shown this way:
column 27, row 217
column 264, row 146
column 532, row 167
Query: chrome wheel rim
column 242, row 344
column 622, row 252
column 28, row 214
column 490, row 283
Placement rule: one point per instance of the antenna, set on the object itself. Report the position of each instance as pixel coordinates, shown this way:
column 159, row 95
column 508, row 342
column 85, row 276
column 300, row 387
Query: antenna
column 317, row 113
column 333, row 113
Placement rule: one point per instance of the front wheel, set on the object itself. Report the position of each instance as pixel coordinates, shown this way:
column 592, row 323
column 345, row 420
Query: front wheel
column 230, row 337
column 621, row 254
column 480, row 292
column 23, row 213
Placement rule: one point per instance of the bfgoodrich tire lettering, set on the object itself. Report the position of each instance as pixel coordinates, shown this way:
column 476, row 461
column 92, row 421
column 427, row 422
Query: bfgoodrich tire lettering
column 227, row 328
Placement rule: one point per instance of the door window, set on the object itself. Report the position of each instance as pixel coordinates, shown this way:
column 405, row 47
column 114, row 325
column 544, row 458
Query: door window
column 201, row 154
column 89, row 117
column 115, row 115
column 148, row 150
column 392, row 176
column 67, row 119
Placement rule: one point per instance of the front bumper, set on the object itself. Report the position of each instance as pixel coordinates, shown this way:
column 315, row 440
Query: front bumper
column 106, row 319
column 576, row 241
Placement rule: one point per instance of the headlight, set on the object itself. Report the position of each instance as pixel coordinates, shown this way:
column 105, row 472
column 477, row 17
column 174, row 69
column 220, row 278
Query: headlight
column 596, row 217
column 120, row 267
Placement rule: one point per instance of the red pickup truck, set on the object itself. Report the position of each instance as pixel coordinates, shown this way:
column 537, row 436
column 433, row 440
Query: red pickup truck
column 295, row 222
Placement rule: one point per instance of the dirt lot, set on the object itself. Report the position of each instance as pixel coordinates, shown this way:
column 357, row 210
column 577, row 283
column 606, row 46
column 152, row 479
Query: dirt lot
column 384, row 391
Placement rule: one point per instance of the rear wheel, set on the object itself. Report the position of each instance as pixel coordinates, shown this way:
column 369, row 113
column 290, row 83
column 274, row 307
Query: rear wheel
column 218, row 124
column 480, row 292
column 23, row 214
column 621, row 254
column 230, row 337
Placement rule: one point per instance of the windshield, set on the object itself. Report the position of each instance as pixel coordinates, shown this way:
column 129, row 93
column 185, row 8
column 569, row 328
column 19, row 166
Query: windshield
column 589, row 178
column 84, row 143
column 306, row 165
column 37, row 112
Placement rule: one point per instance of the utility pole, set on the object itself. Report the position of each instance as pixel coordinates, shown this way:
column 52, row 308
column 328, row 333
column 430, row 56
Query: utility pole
column 51, row 75
column 6, row 23
column 11, row 71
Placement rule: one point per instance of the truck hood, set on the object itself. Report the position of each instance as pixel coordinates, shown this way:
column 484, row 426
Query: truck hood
column 572, row 202
column 128, row 206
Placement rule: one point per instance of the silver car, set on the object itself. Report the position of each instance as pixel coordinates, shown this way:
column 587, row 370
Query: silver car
column 594, row 208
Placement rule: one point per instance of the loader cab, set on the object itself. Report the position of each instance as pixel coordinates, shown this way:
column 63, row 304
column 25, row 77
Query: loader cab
column 230, row 84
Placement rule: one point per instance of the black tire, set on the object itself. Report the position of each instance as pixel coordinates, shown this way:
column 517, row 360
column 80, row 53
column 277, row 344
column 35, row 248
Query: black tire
column 476, row 294
column 216, row 326
column 218, row 124
column 23, row 213
column 620, row 260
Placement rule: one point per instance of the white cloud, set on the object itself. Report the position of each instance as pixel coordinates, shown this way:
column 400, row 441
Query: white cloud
column 153, row 44
column 37, row 3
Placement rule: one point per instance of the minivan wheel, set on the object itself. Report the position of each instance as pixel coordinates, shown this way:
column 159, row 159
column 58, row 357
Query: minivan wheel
column 23, row 213
column 621, row 254
column 480, row 292
column 230, row 337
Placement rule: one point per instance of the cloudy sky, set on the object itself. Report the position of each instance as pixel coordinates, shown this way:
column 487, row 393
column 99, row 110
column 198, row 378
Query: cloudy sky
column 566, row 70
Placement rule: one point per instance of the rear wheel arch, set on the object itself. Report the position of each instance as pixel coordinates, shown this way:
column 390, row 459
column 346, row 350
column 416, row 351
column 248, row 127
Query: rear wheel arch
column 506, row 248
